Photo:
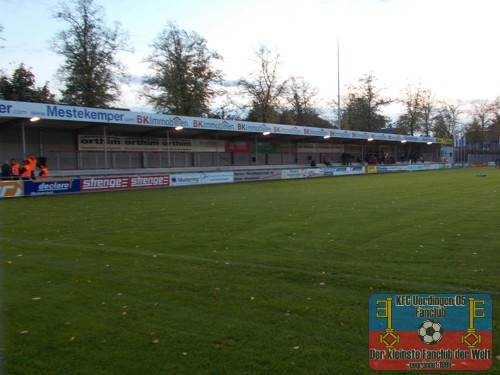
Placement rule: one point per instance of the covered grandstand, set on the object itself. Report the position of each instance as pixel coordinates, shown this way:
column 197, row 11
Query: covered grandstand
column 90, row 141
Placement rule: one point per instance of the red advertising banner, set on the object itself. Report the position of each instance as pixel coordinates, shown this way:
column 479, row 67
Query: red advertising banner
column 238, row 146
column 123, row 182
column 478, row 164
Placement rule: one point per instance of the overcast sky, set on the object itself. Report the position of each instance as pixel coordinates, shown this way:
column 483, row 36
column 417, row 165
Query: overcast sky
column 448, row 46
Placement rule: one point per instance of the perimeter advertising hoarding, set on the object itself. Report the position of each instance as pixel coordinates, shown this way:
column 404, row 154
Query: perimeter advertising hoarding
column 406, row 167
column 301, row 173
column 479, row 164
column 123, row 182
column 10, row 189
column 430, row 332
column 185, row 179
column 257, row 175
column 51, row 186
column 342, row 171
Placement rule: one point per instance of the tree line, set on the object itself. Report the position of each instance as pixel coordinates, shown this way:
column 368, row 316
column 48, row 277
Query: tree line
column 184, row 80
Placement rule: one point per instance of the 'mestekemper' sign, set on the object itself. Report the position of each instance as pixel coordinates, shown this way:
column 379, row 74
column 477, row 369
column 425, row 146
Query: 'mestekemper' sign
column 25, row 110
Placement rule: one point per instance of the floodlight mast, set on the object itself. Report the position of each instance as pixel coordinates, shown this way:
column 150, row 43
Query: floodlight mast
column 338, row 85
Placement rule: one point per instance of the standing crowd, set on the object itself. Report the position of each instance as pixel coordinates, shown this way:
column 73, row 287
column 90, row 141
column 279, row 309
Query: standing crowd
column 27, row 171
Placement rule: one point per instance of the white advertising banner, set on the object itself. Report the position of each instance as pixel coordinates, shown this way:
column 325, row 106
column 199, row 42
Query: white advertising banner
column 311, row 148
column 339, row 171
column 257, row 175
column 25, row 110
column 301, row 173
column 97, row 143
column 185, row 179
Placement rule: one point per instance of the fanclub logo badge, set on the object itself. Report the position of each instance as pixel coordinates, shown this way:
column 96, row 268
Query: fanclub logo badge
column 430, row 332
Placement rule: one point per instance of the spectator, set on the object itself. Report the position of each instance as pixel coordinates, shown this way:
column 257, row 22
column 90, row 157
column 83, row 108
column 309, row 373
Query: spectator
column 346, row 159
column 6, row 171
column 44, row 172
column 33, row 164
column 26, row 171
column 15, row 168
column 313, row 163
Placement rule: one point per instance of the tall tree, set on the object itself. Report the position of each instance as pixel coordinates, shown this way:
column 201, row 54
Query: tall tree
column 21, row 87
column 428, row 110
column 184, row 76
column 483, row 114
column 495, row 126
column 474, row 135
column 91, row 71
column 419, row 107
column 227, row 109
column 1, row 38
column 363, row 105
column 410, row 120
column 264, row 87
column 300, row 100
column 450, row 111
column 440, row 129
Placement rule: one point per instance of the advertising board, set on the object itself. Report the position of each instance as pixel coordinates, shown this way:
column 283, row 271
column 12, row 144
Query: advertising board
column 302, row 173
column 10, row 189
column 257, row 175
column 51, row 186
column 123, row 182
column 185, row 179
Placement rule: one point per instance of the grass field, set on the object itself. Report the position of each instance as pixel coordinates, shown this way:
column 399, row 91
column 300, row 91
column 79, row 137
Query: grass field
column 255, row 278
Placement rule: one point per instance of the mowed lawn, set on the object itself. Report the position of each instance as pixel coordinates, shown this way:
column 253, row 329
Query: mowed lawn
column 254, row 278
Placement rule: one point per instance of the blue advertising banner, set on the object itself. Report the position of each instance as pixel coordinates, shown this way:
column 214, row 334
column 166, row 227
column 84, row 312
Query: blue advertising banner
column 430, row 332
column 51, row 186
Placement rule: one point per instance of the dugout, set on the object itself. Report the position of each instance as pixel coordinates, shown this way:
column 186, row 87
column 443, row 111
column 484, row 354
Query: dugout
column 85, row 139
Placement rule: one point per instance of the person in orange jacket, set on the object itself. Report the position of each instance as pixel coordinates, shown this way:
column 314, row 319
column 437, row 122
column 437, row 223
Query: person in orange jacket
column 33, row 164
column 44, row 172
column 15, row 168
column 26, row 171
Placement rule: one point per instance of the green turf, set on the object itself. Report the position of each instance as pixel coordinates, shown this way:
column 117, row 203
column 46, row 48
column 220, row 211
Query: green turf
column 254, row 278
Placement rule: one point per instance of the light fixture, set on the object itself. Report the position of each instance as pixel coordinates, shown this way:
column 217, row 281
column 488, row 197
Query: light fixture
column 33, row 119
column 403, row 141
column 429, row 143
column 266, row 133
column 179, row 127
column 326, row 136
column 370, row 139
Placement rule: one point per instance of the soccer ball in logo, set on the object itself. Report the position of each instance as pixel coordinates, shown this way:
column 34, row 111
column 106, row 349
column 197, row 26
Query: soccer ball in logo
column 430, row 331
